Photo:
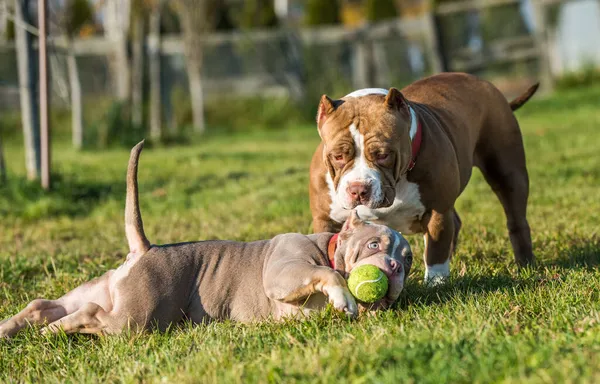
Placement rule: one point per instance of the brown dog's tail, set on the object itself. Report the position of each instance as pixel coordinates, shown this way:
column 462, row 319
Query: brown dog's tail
column 519, row 101
column 134, row 227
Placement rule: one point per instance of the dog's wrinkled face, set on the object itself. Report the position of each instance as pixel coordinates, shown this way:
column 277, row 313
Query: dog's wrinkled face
column 361, row 242
column 366, row 146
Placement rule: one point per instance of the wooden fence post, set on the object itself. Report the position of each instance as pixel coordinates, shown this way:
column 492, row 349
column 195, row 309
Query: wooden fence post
column 541, row 41
column 432, row 44
column 44, row 120
column 2, row 165
column 27, row 90
column 362, row 76
column 154, row 69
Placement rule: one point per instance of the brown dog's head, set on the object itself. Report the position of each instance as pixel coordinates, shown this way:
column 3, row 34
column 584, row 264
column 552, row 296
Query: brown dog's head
column 361, row 242
column 367, row 145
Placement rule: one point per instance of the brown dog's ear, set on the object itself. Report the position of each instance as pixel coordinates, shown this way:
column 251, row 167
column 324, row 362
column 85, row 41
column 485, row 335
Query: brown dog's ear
column 326, row 107
column 395, row 99
column 352, row 222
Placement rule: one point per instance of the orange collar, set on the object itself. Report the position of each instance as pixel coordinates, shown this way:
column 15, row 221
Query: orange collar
column 331, row 250
column 416, row 145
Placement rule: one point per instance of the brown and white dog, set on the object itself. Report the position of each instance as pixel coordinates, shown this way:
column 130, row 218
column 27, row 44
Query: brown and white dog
column 403, row 158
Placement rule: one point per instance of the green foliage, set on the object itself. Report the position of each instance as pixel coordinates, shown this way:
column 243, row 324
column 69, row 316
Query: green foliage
column 378, row 10
column 77, row 14
column 588, row 76
column 319, row 12
column 240, row 113
column 491, row 323
column 256, row 14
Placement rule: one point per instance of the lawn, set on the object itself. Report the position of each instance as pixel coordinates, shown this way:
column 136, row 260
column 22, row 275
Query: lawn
column 490, row 323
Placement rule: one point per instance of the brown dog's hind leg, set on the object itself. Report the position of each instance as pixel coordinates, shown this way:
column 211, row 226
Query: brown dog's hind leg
column 457, row 226
column 505, row 171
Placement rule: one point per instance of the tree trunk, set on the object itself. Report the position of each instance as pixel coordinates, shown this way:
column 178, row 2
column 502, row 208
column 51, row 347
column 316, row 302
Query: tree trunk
column 194, row 66
column 195, row 17
column 27, row 67
column 154, row 63
column 76, row 102
column 137, row 79
column 116, row 25
column 121, row 68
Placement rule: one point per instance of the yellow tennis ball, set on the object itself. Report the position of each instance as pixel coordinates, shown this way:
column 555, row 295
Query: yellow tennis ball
column 368, row 283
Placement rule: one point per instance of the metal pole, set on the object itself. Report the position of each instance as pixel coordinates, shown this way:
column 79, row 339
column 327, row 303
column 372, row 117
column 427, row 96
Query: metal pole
column 44, row 121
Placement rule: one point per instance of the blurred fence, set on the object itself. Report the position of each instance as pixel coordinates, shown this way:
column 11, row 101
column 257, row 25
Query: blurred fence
column 274, row 62
column 301, row 62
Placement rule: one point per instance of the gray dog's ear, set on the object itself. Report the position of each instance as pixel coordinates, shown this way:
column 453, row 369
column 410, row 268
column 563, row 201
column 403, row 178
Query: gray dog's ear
column 352, row 222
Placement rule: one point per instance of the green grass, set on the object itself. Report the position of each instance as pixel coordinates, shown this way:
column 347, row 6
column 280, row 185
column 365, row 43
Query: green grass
column 491, row 323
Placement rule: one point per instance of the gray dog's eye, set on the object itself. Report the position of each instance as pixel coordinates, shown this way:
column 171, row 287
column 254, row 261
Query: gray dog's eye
column 373, row 245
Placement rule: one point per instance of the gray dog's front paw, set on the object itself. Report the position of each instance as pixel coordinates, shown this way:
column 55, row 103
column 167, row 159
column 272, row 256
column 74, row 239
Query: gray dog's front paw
column 342, row 300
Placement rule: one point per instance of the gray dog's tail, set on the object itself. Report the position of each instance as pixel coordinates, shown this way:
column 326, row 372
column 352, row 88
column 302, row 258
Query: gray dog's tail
column 519, row 101
column 134, row 227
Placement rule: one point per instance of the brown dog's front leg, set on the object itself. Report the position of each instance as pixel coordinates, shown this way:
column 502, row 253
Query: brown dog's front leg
column 439, row 244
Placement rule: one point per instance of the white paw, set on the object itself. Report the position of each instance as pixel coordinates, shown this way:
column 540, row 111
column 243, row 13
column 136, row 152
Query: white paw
column 342, row 300
column 434, row 281
column 437, row 274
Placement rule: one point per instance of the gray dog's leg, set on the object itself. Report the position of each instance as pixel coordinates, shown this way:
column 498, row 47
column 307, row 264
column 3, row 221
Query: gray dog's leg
column 39, row 311
column 90, row 318
column 294, row 281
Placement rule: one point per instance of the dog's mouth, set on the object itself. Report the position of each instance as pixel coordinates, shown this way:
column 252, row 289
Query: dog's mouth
column 394, row 271
column 369, row 204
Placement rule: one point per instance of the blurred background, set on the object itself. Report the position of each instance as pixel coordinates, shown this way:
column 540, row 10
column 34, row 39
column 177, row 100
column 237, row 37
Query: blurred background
column 175, row 70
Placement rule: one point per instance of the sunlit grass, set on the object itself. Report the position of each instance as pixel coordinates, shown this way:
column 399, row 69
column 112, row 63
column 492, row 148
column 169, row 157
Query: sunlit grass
column 490, row 323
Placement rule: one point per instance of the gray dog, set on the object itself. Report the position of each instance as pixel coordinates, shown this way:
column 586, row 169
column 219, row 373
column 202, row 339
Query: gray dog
column 289, row 275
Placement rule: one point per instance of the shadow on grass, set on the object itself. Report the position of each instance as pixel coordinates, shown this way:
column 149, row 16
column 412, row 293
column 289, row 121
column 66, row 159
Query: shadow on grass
column 578, row 254
column 68, row 196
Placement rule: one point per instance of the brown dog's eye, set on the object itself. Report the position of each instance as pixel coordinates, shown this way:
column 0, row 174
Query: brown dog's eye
column 382, row 157
column 373, row 245
column 339, row 160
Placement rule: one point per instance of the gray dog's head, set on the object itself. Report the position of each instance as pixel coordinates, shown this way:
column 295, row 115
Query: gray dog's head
column 361, row 242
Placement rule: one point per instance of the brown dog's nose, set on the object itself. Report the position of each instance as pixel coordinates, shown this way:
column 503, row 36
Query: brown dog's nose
column 359, row 192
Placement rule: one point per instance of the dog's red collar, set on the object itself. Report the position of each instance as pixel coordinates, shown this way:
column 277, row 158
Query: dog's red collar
column 416, row 144
column 331, row 250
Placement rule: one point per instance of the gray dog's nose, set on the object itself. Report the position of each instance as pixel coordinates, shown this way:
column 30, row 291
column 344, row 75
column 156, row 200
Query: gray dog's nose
column 394, row 265
column 359, row 192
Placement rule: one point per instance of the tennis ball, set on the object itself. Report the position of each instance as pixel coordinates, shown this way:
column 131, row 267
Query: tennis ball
column 368, row 283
